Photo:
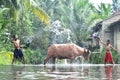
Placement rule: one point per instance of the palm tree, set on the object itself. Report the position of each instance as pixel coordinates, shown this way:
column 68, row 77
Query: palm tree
column 37, row 10
column 73, row 14
column 116, row 5
column 17, row 6
column 103, row 12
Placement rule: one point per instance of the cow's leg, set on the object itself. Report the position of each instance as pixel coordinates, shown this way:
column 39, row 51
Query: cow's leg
column 47, row 58
column 72, row 59
column 54, row 60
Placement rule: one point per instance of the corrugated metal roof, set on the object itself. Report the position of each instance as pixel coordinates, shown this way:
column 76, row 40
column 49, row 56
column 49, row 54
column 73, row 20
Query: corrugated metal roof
column 114, row 18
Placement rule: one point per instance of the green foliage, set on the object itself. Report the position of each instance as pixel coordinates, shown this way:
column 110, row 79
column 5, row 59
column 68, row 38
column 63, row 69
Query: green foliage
column 98, row 58
column 4, row 18
column 115, row 56
column 33, row 56
column 43, row 16
column 103, row 12
column 73, row 15
column 5, row 57
column 28, row 18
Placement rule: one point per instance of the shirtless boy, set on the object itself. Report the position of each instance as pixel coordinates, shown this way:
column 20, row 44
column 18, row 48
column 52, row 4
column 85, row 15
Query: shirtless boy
column 108, row 56
column 17, row 51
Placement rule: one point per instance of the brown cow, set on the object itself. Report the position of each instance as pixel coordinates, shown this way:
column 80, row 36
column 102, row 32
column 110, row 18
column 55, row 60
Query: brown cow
column 66, row 51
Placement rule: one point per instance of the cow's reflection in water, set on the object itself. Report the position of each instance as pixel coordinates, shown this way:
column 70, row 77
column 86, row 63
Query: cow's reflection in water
column 70, row 72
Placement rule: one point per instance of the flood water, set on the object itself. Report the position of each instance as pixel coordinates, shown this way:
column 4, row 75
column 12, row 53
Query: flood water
column 60, row 72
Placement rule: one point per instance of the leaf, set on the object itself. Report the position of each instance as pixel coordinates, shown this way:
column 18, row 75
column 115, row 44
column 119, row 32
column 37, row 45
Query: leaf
column 43, row 16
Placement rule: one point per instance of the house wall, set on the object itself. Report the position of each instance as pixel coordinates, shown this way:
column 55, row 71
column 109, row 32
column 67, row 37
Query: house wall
column 107, row 34
column 113, row 34
column 117, row 37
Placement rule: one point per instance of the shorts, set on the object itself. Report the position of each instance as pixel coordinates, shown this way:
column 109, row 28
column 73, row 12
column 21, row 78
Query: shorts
column 18, row 53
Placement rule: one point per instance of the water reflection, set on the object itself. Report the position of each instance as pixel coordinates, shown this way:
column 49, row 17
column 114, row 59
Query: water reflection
column 67, row 72
column 60, row 72
column 17, row 71
column 109, row 72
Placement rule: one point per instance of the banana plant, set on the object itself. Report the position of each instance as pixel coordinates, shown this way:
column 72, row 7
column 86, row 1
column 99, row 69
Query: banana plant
column 103, row 12
column 17, row 9
column 38, row 11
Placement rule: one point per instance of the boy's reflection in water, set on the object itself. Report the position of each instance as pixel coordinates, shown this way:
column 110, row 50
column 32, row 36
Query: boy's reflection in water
column 17, row 71
column 109, row 72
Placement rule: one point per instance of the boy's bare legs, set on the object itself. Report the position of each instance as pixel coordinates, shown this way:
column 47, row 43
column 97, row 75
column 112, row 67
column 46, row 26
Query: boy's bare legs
column 24, row 61
column 14, row 59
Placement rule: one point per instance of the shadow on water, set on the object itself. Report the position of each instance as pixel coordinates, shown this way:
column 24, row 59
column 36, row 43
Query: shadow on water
column 60, row 72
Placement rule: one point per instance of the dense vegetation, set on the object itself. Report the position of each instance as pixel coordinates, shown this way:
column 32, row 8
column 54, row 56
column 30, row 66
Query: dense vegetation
column 39, row 23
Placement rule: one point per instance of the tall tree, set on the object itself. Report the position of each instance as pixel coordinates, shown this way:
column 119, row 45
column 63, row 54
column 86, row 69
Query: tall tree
column 102, row 12
column 73, row 14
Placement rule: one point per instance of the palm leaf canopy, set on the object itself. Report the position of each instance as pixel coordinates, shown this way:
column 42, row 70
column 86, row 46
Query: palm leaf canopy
column 43, row 16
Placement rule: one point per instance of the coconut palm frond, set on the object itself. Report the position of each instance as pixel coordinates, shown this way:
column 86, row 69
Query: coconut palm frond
column 43, row 16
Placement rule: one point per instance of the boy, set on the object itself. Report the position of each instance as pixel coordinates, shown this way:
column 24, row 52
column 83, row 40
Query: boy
column 17, row 52
column 108, row 56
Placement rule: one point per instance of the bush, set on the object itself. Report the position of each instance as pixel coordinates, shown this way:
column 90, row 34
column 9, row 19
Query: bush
column 98, row 58
column 33, row 56
column 5, row 57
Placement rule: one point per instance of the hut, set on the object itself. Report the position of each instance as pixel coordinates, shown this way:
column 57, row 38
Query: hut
column 110, row 29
